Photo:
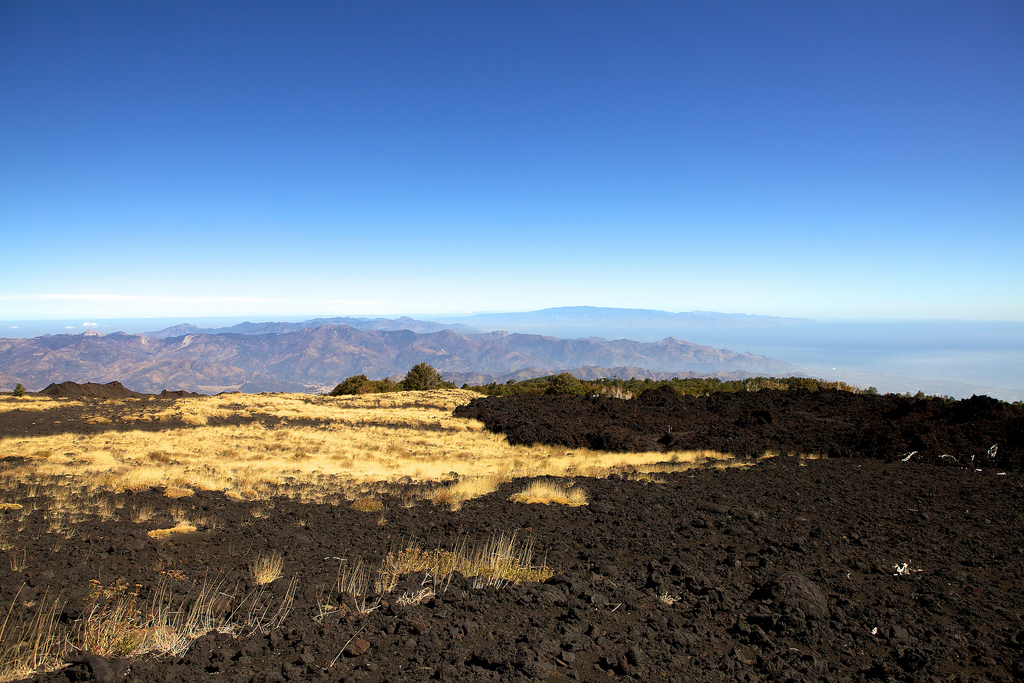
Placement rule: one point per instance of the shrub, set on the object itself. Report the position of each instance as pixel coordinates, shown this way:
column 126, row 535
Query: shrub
column 19, row 390
column 383, row 386
column 565, row 383
column 360, row 384
column 422, row 377
column 357, row 384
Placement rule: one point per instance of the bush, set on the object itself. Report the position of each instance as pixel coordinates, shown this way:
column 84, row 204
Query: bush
column 383, row 386
column 19, row 390
column 422, row 377
column 357, row 384
column 565, row 383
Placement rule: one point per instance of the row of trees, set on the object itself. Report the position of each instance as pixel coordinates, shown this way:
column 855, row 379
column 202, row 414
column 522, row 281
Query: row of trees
column 421, row 377
column 565, row 383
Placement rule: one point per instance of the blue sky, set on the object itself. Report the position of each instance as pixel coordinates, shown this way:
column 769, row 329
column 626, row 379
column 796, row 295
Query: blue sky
column 813, row 159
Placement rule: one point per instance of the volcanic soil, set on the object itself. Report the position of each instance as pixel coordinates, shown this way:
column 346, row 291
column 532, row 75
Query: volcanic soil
column 840, row 569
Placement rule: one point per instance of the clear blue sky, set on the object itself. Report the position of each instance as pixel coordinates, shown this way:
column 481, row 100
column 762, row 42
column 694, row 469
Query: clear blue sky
column 816, row 159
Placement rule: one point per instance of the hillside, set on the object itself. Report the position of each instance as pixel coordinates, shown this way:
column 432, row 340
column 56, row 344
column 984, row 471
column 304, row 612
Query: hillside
column 312, row 359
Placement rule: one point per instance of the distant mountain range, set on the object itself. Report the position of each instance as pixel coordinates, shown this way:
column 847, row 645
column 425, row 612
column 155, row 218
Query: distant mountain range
column 314, row 357
column 403, row 323
column 567, row 321
column 615, row 323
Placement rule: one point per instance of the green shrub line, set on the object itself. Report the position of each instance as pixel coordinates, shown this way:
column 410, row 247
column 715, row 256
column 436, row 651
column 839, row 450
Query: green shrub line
column 423, row 377
column 565, row 383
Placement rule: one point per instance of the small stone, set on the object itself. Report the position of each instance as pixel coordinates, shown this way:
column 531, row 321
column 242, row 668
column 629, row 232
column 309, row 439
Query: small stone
column 357, row 647
column 447, row 672
column 538, row 670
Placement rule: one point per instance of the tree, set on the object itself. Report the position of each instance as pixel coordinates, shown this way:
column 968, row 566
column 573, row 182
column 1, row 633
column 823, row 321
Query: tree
column 565, row 383
column 19, row 390
column 383, row 386
column 421, row 378
column 357, row 384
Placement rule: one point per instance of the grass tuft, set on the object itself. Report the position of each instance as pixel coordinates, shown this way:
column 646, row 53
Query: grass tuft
column 547, row 492
column 455, row 494
column 110, row 621
column 497, row 562
column 267, row 569
column 30, row 642
column 367, row 505
column 182, row 527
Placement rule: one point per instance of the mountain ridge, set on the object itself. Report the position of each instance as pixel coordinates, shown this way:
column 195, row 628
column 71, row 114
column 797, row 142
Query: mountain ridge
column 315, row 358
column 400, row 323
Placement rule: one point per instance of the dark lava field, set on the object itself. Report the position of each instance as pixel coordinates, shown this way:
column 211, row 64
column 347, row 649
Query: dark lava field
column 861, row 566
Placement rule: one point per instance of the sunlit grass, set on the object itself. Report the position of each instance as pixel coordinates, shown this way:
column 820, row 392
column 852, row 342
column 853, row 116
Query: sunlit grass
column 547, row 492
column 356, row 440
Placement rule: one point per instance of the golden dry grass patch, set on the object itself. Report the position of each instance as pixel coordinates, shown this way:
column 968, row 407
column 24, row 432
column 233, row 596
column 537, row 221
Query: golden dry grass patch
column 367, row 504
column 26, row 403
column 547, row 492
column 182, row 527
column 321, row 449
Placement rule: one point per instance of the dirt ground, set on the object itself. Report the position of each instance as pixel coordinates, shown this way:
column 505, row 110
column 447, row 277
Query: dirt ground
column 841, row 569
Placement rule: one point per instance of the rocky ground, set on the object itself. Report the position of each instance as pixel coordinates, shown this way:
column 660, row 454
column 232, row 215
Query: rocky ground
column 841, row 569
column 979, row 431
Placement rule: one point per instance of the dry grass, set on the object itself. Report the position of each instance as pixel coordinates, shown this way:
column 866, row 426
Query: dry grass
column 455, row 494
column 143, row 513
column 110, row 621
column 325, row 450
column 322, row 443
column 547, row 492
column 367, row 505
column 498, row 561
column 267, row 569
column 182, row 527
column 115, row 625
column 26, row 404
column 29, row 641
